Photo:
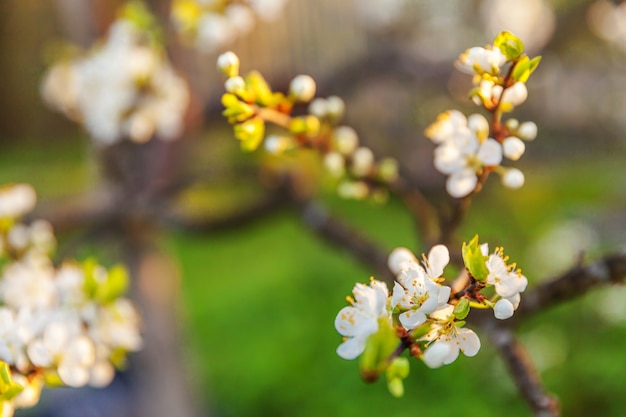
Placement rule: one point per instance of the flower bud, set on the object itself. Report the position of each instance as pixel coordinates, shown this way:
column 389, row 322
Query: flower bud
column 398, row 258
column 335, row 164
column 346, row 140
column 235, row 84
column 319, row 107
column 490, row 152
column 513, row 148
column 527, row 131
column 362, row 161
column 228, row 63
column 513, row 178
column 515, row 95
column 335, row 106
column 275, row 144
column 353, row 190
column 503, row 309
column 302, row 88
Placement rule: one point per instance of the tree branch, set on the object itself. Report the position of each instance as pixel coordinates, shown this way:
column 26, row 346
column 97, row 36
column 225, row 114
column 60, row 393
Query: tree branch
column 336, row 232
column 523, row 372
column 573, row 283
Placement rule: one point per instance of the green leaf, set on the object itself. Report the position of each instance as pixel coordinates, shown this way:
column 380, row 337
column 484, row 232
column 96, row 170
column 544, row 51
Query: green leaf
column 462, row 309
column 115, row 285
column 525, row 67
column 396, row 372
column 8, row 388
column 250, row 133
column 474, row 260
column 259, row 89
column 236, row 110
column 378, row 348
column 510, row 45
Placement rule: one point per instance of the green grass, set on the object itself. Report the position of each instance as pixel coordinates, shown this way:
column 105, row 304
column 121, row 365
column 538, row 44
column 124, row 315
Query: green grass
column 260, row 303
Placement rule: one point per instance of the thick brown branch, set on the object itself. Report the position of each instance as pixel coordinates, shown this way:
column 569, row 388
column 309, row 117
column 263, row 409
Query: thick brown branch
column 573, row 283
column 523, row 371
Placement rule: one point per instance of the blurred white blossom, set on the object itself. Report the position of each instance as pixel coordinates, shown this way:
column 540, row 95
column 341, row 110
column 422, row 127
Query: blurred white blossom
column 122, row 88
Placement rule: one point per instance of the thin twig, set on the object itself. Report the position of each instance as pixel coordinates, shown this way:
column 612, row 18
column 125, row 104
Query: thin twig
column 523, row 372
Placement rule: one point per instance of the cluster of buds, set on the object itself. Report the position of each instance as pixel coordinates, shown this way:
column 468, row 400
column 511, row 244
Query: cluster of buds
column 422, row 314
column 65, row 326
column 123, row 87
column 210, row 25
column 470, row 148
column 250, row 104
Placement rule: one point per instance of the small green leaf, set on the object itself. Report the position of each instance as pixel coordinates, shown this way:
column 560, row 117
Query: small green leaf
column 462, row 309
column 115, row 285
column 396, row 387
column 510, row 45
column 8, row 388
column 250, row 133
column 259, row 89
column 378, row 348
column 475, row 260
column 236, row 110
column 421, row 331
column 525, row 67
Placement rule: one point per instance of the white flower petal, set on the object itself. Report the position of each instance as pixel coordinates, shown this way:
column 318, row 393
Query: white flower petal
column 398, row 258
column 102, row 374
column 436, row 354
column 490, row 152
column 411, row 319
column 461, row 183
column 516, row 94
column 351, row 348
column 469, row 343
column 438, row 259
column 449, row 159
column 444, row 295
column 72, row 374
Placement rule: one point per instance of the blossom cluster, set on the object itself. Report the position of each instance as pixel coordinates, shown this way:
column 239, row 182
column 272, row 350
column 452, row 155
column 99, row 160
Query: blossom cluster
column 470, row 148
column 210, row 25
column 123, row 87
column 421, row 313
column 66, row 325
column 250, row 103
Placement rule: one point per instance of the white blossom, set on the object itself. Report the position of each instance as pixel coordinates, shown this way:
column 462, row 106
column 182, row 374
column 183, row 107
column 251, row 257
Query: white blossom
column 417, row 290
column 479, row 60
column 360, row 320
column 464, row 150
column 446, row 340
column 122, row 88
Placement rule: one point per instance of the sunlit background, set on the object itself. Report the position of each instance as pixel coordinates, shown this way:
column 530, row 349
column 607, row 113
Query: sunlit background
column 250, row 306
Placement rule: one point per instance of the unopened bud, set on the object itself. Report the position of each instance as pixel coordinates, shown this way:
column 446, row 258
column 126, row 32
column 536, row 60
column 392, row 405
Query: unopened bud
column 302, row 88
column 362, row 161
column 513, row 178
column 346, row 140
column 228, row 63
column 235, row 84
column 527, row 131
column 513, row 148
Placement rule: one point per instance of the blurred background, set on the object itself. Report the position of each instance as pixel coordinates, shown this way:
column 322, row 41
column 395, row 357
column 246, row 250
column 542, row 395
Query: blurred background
column 239, row 302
